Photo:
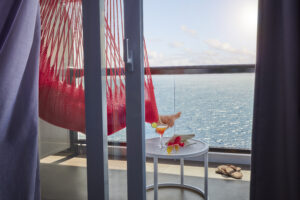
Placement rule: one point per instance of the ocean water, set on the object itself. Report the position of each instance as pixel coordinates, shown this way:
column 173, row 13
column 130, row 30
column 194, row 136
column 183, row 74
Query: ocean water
column 217, row 108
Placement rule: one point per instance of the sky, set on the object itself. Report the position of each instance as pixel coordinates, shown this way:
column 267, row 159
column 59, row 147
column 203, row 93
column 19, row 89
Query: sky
column 200, row 32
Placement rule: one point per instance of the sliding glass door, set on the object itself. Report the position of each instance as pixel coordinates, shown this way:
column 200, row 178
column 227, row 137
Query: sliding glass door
column 101, row 51
column 63, row 172
column 116, row 170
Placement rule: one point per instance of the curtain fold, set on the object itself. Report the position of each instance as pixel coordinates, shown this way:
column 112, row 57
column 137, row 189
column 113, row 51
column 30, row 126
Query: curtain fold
column 19, row 60
column 275, row 165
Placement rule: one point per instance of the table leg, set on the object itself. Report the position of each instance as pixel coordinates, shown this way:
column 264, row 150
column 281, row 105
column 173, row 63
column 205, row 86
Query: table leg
column 181, row 171
column 206, row 176
column 155, row 160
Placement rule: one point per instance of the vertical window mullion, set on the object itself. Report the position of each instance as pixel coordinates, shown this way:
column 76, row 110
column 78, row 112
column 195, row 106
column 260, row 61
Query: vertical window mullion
column 95, row 99
column 135, row 109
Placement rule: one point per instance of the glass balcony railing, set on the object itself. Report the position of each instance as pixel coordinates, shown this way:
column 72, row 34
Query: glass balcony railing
column 216, row 103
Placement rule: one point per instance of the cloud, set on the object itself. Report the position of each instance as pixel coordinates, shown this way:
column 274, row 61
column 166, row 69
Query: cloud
column 220, row 53
column 176, row 44
column 220, row 45
column 226, row 47
column 207, row 57
column 153, row 55
column 159, row 59
column 180, row 46
column 209, row 53
column 189, row 31
column 153, row 39
column 246, row 52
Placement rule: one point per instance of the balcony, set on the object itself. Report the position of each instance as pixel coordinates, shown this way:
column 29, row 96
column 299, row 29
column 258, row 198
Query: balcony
column 216, row 102
column 73, row 171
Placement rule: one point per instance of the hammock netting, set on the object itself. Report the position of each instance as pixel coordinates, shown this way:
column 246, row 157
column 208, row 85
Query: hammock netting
column 61, row 84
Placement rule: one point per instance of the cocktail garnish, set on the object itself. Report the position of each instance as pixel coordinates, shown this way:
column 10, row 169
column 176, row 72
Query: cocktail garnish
column 154, row 125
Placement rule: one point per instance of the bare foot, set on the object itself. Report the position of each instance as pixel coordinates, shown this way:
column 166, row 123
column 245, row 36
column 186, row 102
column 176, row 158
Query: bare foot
column 169, row 119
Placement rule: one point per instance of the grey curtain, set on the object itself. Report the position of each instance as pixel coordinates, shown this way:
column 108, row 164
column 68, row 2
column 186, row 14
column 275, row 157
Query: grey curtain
column 19, row 53
column 276, row 123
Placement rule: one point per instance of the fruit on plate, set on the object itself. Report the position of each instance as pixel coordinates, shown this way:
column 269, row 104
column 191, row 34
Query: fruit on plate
column 176, row 142
column 183, row 138
column 176, row 147
column 154, row 125
column 170, row 149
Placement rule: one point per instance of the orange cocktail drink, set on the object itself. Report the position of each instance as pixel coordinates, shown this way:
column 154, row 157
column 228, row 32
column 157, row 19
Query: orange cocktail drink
column 160, row 129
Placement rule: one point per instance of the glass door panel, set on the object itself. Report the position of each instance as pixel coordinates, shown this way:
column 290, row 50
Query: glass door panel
column 116, row 98
column 63, row 172
column 62, row 168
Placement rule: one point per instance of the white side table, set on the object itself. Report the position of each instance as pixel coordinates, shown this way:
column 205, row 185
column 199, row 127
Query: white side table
column 198, row 149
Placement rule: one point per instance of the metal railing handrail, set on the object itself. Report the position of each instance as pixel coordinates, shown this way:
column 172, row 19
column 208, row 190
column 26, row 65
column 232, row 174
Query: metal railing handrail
column 202, row 69
column 187, row 69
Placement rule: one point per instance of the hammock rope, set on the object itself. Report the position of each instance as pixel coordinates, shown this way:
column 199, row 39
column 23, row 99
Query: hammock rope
column 61, row 83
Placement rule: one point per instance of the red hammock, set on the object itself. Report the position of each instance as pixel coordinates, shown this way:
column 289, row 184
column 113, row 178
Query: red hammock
column 61, row 92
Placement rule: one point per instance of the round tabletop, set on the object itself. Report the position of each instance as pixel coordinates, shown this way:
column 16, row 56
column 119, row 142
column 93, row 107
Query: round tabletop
column 194, row 148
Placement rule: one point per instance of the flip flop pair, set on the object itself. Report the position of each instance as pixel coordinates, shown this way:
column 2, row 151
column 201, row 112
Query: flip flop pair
column 230, row 171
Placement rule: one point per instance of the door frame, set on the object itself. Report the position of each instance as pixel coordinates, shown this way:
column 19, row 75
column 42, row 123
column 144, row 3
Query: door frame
column 135, row 100
column 95, row 99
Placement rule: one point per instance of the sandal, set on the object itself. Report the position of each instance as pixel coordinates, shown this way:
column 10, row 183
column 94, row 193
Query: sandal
column 230, row 171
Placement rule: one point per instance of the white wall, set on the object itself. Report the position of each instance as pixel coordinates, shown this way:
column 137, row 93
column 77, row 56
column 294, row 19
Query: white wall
column 52, row 139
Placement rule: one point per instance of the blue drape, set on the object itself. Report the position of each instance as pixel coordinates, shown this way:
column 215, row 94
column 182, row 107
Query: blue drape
column 19, row 60
column 275, row 170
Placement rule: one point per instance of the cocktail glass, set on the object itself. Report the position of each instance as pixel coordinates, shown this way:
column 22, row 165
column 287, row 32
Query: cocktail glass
column 160, row 129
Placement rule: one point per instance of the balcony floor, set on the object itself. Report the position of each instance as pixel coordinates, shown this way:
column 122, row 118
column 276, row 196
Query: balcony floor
column 67, row 181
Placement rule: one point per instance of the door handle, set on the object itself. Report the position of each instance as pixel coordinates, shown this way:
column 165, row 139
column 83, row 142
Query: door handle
column 127, row 56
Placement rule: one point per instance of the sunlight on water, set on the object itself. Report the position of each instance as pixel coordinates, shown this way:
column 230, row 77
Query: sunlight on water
column 216, row 107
